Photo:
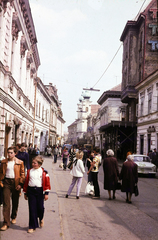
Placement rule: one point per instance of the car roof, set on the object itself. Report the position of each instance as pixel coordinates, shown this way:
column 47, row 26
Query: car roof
column 139, row 155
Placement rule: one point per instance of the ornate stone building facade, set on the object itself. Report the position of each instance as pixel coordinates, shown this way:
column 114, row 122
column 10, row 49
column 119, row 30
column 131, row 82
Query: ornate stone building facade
column 140, row 56
column 147, row 127
column 115, row 131
column 19, row 62
column 140, row 61
column 28, row 111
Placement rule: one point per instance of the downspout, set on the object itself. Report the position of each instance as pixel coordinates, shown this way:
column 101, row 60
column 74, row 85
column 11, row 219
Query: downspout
column 50, row 115
column 144, row 44
column 33, row 133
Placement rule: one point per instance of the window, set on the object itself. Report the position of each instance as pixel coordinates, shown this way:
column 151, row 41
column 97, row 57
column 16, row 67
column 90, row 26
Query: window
column 37, row 108
column 141, row 144
column 141, row 105
column 136, row 110
column 43, row 113
column 130, row 113
column 149, row 102
column 47, row 115
column 140, row 72
column 157, row 96
column 123, row 114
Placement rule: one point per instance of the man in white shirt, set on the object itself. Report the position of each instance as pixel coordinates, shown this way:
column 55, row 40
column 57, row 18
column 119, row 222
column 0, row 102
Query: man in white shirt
column 13, row 176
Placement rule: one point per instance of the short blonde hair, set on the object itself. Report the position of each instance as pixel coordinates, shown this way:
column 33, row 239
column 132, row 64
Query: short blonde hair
column 39, row 159
column 110, row 153
column 79, row 155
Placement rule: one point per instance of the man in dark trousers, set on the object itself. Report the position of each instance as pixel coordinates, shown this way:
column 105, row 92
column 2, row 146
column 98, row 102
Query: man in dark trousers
column 24, row 156
column 155, row 157
column 13, row 176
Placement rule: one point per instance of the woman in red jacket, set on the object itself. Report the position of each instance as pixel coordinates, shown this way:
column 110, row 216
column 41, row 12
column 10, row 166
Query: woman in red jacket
column 36, row 185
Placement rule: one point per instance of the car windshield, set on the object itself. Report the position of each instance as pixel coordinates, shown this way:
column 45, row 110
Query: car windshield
column 141, row 159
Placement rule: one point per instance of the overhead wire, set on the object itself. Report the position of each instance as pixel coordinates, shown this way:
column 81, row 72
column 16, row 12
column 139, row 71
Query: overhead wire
column 108, row 65
column 117, row 50
column 140, row 10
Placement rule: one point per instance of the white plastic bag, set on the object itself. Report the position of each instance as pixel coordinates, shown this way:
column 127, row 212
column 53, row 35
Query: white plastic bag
column 89, row 189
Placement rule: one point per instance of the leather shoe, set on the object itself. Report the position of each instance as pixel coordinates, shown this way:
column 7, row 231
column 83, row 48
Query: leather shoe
column 13, row 221
column 95, row 197
column 41, row 223
column 4, row 228
column 30, row 230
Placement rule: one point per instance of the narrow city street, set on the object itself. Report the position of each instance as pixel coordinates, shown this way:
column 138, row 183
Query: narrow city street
column 87, row 218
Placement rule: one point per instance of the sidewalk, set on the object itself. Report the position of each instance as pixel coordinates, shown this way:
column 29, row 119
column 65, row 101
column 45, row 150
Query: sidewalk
column 71, row 218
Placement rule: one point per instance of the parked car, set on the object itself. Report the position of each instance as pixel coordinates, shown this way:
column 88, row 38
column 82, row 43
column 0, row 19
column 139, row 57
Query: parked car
column 144, row 164
column 88, row 147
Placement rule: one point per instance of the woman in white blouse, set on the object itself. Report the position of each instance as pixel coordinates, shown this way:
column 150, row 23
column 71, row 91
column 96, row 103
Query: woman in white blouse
column 77, row 173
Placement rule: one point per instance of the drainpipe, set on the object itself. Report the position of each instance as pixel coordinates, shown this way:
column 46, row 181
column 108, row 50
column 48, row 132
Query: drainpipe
column 144, row 43
column 33, row 133
column 50, row 116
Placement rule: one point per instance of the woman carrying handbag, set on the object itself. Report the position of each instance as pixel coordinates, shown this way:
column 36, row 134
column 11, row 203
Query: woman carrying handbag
column 129, row 177
column 77, row 173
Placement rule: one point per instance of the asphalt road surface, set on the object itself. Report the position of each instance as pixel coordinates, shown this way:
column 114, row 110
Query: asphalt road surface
column 86, row 218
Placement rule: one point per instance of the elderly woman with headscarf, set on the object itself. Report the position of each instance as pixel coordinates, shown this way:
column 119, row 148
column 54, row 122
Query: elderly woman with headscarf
column 111, row 173
column 129, row 177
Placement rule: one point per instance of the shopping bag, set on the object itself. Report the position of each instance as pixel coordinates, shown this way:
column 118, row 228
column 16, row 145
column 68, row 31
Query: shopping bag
column 89, row 188
column 118, row 187
column 136, row 190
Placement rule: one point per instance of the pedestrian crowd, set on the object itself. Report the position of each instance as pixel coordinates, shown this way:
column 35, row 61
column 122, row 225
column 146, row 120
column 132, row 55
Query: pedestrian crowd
column 22, row 169
column 126, row 180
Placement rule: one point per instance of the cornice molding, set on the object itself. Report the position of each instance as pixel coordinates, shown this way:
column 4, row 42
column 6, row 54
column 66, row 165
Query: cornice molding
column 26, row 11
column 6, row 98
column 3, row 4
column 13, row 83
column 16, row 27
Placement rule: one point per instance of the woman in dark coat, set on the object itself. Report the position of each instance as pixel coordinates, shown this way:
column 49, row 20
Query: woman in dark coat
column 129, row 177
column 111, row 173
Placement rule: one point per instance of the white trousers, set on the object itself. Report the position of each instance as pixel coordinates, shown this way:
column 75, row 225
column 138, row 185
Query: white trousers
column 79, row 182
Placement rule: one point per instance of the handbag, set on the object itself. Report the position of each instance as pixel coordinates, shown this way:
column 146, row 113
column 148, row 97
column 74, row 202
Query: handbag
column 118, row 187
column 70, row 165
column 89, row 188
column 136, row 192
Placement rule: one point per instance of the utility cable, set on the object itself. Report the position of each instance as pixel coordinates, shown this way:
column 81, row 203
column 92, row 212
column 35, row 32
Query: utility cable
column 108, row 65
column 117, row 50
column 139, row 10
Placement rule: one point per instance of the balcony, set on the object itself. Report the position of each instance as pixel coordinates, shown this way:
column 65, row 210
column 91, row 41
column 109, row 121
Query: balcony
column 128, row 93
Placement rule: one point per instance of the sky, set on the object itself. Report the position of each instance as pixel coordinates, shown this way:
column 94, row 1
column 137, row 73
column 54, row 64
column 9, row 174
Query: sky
column 77, row 40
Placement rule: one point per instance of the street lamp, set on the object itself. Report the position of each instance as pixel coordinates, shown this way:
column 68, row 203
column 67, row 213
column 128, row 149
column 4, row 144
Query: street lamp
column 91, row 89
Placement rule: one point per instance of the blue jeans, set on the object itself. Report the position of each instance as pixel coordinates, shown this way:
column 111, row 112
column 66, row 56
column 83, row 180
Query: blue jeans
column 55, row 158
column 65, row 162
